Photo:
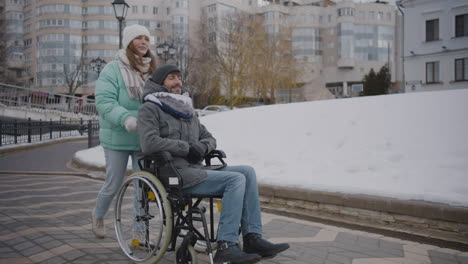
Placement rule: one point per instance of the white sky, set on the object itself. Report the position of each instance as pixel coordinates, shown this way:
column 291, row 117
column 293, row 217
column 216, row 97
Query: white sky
column 406, row 146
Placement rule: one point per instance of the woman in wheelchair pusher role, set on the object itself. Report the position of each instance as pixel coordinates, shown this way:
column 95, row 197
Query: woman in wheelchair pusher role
column 119, row 91
column 168, row 122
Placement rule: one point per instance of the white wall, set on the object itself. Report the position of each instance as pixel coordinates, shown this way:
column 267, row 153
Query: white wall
column 415, row 69
column 417, row 52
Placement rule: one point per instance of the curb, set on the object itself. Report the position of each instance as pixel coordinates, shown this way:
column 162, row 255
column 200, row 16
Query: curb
column 56, row 173
column 26, row 146
column 421, row 209
column 335, row 208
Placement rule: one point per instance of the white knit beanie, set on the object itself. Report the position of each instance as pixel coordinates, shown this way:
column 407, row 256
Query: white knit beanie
column 133, row 31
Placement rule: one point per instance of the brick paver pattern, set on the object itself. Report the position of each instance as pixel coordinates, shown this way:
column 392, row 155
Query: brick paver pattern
column 47, row 219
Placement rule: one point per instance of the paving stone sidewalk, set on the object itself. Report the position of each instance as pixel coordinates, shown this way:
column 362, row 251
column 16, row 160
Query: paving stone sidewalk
column 46, row 219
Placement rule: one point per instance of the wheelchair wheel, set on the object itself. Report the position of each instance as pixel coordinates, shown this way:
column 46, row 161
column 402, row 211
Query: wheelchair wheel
column 190, row 256
column 143, row 218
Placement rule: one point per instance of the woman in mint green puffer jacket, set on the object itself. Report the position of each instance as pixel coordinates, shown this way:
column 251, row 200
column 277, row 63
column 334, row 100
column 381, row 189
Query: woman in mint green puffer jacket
column 119, row 92
column 114, row 107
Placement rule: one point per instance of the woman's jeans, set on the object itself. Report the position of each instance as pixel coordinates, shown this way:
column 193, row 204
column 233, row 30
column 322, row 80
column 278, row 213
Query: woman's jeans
column 240, row 204
column 116, row 166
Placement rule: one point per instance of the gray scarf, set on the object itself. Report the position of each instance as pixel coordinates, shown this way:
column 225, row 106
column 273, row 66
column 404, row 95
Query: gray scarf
column 178, row 105
column 131, row 77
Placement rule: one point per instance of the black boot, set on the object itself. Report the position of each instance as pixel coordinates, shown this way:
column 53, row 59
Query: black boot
column 230, row 253
column 254, row 243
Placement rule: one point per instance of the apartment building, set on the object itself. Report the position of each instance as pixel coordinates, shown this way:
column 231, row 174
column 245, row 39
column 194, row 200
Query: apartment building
column 61, row 39
column 335, row 44
column 12, row 67
column 435, row 44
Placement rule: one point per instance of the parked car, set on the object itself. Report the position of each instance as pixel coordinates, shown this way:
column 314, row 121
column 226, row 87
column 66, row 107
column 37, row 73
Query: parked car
column 213, row 109
column 251, row 104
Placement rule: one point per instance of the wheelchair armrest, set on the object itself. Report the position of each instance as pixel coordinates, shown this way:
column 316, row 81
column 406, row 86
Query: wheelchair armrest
column 219, row 154
column 143, row 161
column 167, row 157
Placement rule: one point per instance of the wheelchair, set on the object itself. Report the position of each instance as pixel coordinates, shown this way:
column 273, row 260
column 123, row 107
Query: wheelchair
column 153, row 213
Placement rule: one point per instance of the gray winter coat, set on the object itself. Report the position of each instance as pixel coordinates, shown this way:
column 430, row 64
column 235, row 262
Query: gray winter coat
column 160, row 131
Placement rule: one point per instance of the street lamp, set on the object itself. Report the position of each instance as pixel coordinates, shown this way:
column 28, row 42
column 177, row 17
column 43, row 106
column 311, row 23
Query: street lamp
column 165, row 51
column 98, row 64
column 120, row 11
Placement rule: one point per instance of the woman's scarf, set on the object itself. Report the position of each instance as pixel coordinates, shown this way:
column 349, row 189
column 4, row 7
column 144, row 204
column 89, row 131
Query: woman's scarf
column 177, row 105
column 132, row 78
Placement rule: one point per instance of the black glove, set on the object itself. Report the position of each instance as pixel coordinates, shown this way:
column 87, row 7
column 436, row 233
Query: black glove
column 196, row 152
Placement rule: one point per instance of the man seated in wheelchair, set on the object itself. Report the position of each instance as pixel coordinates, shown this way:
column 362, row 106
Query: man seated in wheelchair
column 167, row 122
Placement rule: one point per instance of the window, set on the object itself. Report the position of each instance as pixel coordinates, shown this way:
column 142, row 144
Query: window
column 27, row 42
column 155, row 10
column 145, row 9
column 379, row 15
column 432, row 72
column 432, row 30
column 346, row 11
column 362, row 15
column 461, row 25
column 134, row 9
column 461, row 69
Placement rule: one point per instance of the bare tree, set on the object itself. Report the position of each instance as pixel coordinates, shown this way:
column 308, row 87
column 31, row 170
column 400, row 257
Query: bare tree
column 272, row 65
column 73, row 73
column 231, row 55
column 246, row 62
column 202, row 78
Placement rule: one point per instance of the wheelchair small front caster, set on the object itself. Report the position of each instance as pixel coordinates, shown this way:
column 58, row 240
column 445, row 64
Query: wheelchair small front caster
column 187, row 256
column 185, row 253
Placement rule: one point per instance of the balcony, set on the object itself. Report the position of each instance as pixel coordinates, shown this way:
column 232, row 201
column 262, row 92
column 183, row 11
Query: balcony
column 15, row 64
column 346, row 63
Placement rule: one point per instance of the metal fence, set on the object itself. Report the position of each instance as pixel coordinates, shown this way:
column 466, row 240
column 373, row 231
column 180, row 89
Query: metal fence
column 19, row 97
column 17, row 131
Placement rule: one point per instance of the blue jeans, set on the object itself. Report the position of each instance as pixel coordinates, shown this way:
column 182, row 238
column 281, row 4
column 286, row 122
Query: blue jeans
column 240, row 204
column 116, row 166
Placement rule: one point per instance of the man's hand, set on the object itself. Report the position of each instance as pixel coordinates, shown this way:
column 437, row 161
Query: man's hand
column 196, row 152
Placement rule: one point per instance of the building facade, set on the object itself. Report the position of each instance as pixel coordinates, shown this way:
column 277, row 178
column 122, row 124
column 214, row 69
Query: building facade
column 61, row 39
column 435, row 44
column 334, row 44
column 12, row 68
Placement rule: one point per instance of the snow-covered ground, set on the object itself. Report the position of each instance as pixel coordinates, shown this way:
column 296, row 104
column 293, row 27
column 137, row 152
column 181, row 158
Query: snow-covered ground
column 406, row 146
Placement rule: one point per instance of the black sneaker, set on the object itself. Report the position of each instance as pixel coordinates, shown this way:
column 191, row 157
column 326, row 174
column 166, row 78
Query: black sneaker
column 254, row 243
column 230, row 253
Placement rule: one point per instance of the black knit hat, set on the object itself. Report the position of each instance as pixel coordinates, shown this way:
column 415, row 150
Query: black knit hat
column 162, row 71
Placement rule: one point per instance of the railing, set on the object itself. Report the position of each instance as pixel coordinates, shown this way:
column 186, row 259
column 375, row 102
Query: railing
column 16, row 132
column 20, row 98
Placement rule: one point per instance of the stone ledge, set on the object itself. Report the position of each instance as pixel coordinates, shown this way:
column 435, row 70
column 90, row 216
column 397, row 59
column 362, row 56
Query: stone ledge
column 439, row 221
column 374, row 203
